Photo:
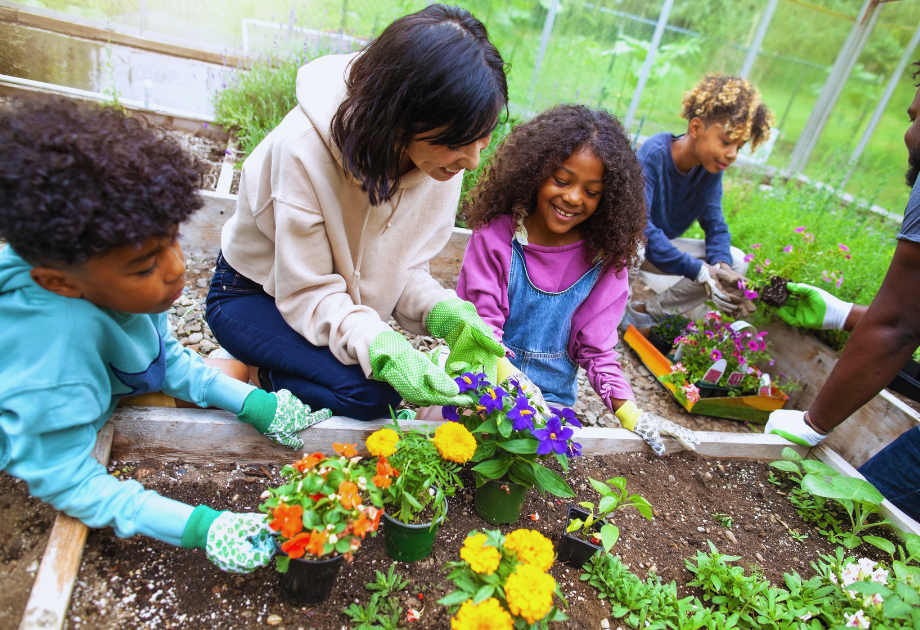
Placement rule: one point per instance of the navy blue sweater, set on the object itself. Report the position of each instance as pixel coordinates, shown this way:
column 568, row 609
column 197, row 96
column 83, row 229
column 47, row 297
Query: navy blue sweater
column 675, row 200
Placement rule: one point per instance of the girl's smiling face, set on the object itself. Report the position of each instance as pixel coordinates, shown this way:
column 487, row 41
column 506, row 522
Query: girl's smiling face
column 567, row 199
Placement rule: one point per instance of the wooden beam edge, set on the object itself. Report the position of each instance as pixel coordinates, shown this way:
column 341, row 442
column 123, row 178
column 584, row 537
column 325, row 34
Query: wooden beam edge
column 829, row 456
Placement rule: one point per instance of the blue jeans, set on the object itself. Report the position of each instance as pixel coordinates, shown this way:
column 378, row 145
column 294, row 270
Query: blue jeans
column 895, row 471
column 246, row 321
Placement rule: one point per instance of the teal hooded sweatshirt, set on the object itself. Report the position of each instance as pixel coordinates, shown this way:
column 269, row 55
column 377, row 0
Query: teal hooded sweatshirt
column 64, row 363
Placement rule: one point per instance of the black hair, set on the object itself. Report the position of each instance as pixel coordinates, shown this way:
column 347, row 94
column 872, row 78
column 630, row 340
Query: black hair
column 78, row 180
column 431, row 70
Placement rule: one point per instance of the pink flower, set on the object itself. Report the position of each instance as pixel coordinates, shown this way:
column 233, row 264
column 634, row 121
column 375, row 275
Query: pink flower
column 715, row 355
column 759, row 270
column 753, row 346
column 843, row 247
column 788, row 249
column 839, row 281
column 849, row 256
column 692, row 392
column 742, row 360
column 757, row 246
column 678, row 367
column 771, row 362
column 808, row 238
column 825, row 277
column 749, row 258
column 750, row 295
column 800, row 229
column 766, row 263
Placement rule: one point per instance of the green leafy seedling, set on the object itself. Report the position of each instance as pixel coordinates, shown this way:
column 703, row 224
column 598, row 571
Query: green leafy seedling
column 613, row 497
column 725, row 520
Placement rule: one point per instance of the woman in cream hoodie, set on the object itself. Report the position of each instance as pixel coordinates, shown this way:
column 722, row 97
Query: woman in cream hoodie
column 342, row 206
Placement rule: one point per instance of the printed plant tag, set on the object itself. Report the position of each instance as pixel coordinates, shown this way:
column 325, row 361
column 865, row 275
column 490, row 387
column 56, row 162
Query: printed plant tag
column 739, row 325
column 735, row 378
column 715, row 372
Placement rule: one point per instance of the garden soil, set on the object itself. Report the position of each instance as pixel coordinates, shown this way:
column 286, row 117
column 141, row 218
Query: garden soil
column 141, row 583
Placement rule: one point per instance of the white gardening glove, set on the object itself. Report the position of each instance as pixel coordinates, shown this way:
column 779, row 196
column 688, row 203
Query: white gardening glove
column 792, row 426
column 811, row 307
column 650, row 428
column 726, row 303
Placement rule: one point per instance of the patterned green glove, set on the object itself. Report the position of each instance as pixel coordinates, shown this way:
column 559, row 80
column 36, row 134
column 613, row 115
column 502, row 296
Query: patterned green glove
column 236, row 543
column 811, row 307
column 473, row 347
column 411, row 373
column 280, row 416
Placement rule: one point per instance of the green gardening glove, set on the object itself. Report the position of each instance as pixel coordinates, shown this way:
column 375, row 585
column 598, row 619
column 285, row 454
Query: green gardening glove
column 236, row 543
column 473, row 347
column 280, row 415
column 811, row 307
column 411, row 373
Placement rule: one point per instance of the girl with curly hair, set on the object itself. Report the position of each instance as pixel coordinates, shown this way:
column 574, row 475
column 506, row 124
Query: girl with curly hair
column 556, row 221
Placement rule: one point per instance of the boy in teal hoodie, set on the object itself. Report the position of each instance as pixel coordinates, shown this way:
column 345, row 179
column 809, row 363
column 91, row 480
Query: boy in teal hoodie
column 90, row 205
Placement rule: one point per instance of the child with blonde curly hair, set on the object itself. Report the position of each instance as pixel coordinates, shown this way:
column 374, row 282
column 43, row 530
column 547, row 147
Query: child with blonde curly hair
column 556, row 221
column 683, row 184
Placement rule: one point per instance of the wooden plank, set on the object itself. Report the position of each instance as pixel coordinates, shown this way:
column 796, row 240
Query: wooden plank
column 201, row 233
column 207, row 436
column 57, row 574
column 225, row 180
column 810, row 362
column 75, row 26
column 445, row 267
column 826, row 454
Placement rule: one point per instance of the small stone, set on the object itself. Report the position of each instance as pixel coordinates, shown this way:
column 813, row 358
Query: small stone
column 274, row 620
column 193, row 348
column 190, row 315
column 759, row 557
column 202, row 283
column 700, row 529
column 671, row 478
column 550, row 504
column 206, row 346
column 720, row 467
column 183, row 341
column 195, row 337
column 605, row 623
column 731, row 536
column 196, row 327
column 590, row 417
column 707, row 477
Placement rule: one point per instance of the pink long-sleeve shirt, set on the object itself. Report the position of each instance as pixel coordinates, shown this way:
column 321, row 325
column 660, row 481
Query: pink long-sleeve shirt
column 484, row 282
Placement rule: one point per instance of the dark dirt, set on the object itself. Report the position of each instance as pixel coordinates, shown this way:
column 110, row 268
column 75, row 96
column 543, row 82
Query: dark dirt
column 140, row 583
column 776, row 293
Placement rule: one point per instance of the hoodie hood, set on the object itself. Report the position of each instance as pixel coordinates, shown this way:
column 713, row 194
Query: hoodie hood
column 14, row 272
column 320, row 90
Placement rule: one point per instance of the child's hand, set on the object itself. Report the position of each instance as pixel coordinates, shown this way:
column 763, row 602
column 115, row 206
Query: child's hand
column 280, row 416
column 236, row 543
column 650, row 428
column 473, row 347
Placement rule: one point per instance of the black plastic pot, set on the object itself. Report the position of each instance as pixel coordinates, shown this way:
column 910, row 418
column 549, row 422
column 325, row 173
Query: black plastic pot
column 907, row 382
column 572, row 550
column 662, row 345
column 310, row 581
column 712, row 391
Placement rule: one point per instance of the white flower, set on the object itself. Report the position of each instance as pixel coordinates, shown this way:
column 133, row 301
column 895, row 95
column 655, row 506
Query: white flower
column 857, row 620
column 334, row 539
column 880, row 575
column 866, row 566
column 805, row 617
column 362, row 483
column 875, row 599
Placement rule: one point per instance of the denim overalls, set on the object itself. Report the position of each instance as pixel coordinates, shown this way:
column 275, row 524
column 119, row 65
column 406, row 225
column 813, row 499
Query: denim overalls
column 538, row 328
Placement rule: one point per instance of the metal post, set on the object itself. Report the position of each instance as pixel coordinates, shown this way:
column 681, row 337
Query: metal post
column 754, row 48
column 882, row 104
column 837, row 78
column 544, row 42
column 142, row 16
column 647, row 65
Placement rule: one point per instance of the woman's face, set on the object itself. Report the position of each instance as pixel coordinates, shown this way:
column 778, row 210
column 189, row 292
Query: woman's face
column 443, row 162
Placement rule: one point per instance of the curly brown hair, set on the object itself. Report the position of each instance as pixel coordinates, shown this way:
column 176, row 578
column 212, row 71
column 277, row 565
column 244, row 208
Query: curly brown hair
column 534, row 150
column 732, row 102
column 78, row 180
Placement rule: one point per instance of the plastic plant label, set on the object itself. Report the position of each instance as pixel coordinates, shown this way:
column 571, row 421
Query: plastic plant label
column 715, row 372
column 735, row 378
column 739, row 325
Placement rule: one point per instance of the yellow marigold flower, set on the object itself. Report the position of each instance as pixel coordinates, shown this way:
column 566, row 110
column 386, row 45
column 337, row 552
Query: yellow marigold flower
column 529, row 593
column 482, row 558
column 532, row 547
column 382, row 443
column 454, row 442
column 487, row 615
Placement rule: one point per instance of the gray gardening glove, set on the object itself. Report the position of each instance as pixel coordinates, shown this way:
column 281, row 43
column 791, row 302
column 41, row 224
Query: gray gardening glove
column 650, row 428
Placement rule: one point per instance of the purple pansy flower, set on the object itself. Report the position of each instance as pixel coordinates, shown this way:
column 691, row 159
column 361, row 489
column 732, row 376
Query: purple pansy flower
column 566, row 415
column 521, row 415
column 450, row 413
column 554, row 438
column 469, row 381
column 493, row 399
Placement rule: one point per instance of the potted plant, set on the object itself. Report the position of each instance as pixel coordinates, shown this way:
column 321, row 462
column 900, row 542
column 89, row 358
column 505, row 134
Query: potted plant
column 320, row 519
column 663, row 334
column 718, row 356
column 416, row 472
column 586, row 533
column 515, row 435
column 502, row 582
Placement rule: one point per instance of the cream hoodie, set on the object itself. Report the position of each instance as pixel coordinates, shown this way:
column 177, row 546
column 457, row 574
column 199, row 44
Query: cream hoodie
column 337, row 267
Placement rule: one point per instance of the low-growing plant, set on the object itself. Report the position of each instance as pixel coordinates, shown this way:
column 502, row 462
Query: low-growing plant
column 515, row 436
column 417, row 471
column 612, row 499
column 725, row 520
column 671, row 327
column 319, row 511
column 502, row 582
column 383, row 611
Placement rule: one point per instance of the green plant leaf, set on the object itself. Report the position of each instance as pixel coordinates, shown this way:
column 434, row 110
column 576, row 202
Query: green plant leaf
column 618, row 482
column 494, row 468
column 842, row 488
column 885, row 545
column 489, row 426
column 550, row 481
column 609, row 536
column 574, row 524
column 282, row 563
column 522, row 473
column 912, row 542
column 644, row 507
column 850, row 541
column 483, row 593
column 457, row 597
column 485, row 450
column 523, row 446
column 786, row 466
column 607, row 504
column 602, row 488
column 814, row 466
column 791, row 455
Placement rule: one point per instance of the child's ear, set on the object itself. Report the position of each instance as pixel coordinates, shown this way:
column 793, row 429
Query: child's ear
column 696, row 127
column 56, row 281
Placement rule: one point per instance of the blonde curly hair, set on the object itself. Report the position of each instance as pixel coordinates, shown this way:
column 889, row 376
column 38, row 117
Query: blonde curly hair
column 732, row 102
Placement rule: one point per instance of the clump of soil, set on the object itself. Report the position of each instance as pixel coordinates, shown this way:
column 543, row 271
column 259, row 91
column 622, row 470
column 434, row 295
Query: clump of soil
column 775, row 293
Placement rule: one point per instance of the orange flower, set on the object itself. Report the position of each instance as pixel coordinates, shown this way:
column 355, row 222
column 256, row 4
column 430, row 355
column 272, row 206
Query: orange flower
column 363, row 525
column 384, row 469
column 307, row 462
column 287, row 519
column 346, row 450
column 348, row 495
column 381, row 482
column 317, row 540
column 295, row 546
column 377, row 515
